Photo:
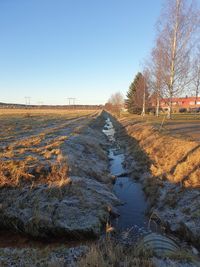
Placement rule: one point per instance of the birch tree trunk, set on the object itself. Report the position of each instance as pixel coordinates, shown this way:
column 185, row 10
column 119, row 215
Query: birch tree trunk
column 157, row 106
column 196, row 75
column 144, row 104
column 179, row 22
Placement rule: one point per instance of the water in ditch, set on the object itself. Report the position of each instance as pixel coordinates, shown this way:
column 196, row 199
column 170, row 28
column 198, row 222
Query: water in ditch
column 132, row 219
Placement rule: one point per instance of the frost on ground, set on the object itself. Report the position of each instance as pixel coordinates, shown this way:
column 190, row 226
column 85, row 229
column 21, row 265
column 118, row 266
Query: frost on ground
column 72, row 199
column 169, row 168
column 75, row 210
column 65, row 192
column 172, row 263
column 46, row 257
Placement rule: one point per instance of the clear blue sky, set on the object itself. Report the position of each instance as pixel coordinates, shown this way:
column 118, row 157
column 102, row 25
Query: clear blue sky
column 87, row 49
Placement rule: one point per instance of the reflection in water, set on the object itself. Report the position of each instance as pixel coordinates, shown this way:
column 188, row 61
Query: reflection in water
column 121, row 185
column 132, row 212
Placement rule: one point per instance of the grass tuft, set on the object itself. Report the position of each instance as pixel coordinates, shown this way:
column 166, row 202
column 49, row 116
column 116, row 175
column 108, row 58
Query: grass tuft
column 112, row 254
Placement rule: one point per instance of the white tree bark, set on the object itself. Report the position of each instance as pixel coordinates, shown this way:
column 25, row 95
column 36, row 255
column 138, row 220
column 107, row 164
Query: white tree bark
column 176, row 32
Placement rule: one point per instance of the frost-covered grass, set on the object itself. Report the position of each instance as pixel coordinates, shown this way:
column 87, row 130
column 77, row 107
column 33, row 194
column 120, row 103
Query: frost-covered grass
column 31, row 140
column 170, row 174
column 111, row 254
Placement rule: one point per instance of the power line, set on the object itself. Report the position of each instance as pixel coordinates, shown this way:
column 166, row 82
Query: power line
column 27, row 100
column 71, row 99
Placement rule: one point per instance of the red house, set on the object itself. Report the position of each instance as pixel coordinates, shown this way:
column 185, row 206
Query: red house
column 181, row 103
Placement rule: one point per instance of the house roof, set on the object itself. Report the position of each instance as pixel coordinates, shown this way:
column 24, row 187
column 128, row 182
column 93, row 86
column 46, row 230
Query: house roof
column 179, row 99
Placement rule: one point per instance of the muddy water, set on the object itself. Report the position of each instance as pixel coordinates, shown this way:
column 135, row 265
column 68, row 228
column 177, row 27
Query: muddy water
column 132, row 217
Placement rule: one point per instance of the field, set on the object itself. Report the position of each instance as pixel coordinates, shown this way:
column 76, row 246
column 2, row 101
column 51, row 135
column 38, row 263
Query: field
column 56, row 184
column 54, row 173
column 182, row 125
column 31, row 140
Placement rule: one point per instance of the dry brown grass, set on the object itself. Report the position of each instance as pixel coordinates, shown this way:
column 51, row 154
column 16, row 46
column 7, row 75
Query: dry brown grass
column 59, row 173
column 12, row 172
column 31, row 146
column 58, row 182
column 14, row 123
column 30, row 112
column 171, row 158
column 17, row 173
column 111, row 254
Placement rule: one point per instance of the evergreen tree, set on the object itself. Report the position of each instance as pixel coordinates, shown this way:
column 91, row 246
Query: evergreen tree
column 135, row 94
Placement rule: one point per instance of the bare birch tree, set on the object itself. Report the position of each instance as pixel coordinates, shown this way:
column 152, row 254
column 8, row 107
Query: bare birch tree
column 156, row 74
column 196, row 74
column 179, row 22
column 117, row 102
column 144, row 86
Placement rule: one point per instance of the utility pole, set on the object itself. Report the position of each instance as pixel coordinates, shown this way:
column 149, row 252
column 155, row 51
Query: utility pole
column 73, row 101
column 27, row 100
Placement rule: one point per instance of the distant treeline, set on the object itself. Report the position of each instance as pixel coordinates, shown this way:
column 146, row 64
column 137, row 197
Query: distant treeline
column 23, row 106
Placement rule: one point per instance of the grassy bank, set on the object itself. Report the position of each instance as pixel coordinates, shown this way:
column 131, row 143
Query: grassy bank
column 168, row 166
column 172, row 158
column 182, row 125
